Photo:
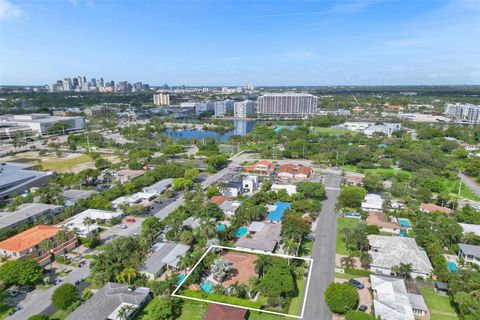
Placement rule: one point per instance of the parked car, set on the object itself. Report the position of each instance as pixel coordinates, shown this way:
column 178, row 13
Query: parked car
column 13, row 293
column 130, row 219
column 362, row 308
column 122, row 226
column 77, row 282
column 135, row 235
column 357, row 284
column 26, row 288
column 158, row 201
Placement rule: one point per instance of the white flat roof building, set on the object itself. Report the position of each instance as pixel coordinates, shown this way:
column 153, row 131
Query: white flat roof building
column 40, row 122
column 471, row 228
column 78, row 221
column 372, row 202
column 290, row 188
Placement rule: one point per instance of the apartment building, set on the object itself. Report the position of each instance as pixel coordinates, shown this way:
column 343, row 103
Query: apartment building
column 287, row 104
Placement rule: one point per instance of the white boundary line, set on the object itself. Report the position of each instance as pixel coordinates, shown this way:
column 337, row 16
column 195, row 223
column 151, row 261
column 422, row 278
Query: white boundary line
column 310, row 260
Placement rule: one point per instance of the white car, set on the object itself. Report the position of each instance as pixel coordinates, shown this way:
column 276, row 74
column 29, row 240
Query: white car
column 122, row 226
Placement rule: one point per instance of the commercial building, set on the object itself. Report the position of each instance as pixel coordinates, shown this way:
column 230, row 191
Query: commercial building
column 161, row 99
column 40, row 123
column 242, row 109
column 165, row 256
column 28, row 213
column 383, row 128
column 27, row 245
column 463, row 111
column 388, row 251
column 392, row 301
column 469, row 253
column 10, row 130
column 287, row 104
column 99, row 110
column 221, row 108
column 18, row 178
column 202, row 107
column 88, row 221
column 112, row 300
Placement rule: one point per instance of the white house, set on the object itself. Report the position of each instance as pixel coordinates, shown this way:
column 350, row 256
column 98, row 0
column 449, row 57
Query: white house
column 250, row 184
column 78, row 221
column 469, row 253
column 388, row 251
column 372, row 202
column 229, row 207
column 290, row 188
column 166, row 255
column 471, row 228
column 391, row 300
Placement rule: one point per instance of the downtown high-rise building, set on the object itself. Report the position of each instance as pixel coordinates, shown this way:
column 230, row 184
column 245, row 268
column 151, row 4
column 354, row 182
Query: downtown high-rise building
column 161, row 99
column 223, row 107
column 243, row 108
column 287, row 104
column 463, row 111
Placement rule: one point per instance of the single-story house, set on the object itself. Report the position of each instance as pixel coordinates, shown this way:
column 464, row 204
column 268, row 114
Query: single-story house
column 388, row 251
column 112, row 298
column 229, row 207
column 372, row 202
column 191, row 222
column 221, row 312
column 469, row 253
column 166, row 255
column 471, row 228
column 354, row 179
column 126, row 175
column 431, row 207
column 135, row 198
column 159, row 187
column 391, row 300
column 290, row 188
column 71, row 196
column 380, row 219
column 263, row 167
column 291, row 171
column 264, row 240
column 96, row 216
column 218, row 200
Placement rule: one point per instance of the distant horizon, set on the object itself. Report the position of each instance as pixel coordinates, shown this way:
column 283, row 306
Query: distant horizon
column 224, row 43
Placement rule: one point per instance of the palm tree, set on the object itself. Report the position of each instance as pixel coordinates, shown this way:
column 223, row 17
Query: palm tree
column 46, row 245
column 222, row 186
column 290, row 246
column 125, row 311
column 127, row 275
column 60, row 239
column 404, row 270
column 262, row 264
column 88, row 222
column 348, row 261
column 365, row 259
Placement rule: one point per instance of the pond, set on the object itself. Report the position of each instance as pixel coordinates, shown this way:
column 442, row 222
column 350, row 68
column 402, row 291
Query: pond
column 241, row 129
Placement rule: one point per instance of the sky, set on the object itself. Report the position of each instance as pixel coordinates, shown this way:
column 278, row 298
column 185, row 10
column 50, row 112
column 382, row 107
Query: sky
column 232, row 43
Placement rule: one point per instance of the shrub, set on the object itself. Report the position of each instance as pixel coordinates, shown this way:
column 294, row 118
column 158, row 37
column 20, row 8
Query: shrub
column 341, row 297
column 65, row 296
column 358, row 315
column 372, row 229
column 223, row 299
column 61, row 260
column 357, row 272
column 39, row 317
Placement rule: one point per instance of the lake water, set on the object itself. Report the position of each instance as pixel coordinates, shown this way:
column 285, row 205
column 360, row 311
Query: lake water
column 241, row 129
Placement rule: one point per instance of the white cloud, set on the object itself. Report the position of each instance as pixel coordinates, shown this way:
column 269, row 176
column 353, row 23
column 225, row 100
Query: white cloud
column 9, row 11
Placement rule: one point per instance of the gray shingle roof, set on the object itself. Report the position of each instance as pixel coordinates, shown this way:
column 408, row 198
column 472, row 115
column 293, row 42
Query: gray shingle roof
column 469, row 249
column 166, row 254
column 264, row 240
column 106, row 300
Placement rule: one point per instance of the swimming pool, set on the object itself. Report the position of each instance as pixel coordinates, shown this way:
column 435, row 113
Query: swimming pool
column 352, row 215
column 277, row 214
column 181, row 277
column 220, row 227
column 404, row 222
column 207, row 286
column 403, row 233
column 452, row 266
column 241, row 232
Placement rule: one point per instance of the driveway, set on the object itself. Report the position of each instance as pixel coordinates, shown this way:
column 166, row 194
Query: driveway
column 365, row 295
column 469, row 182
column 323, row 252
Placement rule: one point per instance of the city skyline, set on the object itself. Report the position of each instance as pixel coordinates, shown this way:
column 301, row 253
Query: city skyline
column 212, row 43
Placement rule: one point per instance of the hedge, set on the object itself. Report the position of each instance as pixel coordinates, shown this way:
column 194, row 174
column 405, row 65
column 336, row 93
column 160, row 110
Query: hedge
column 357, row 272
column 220, row 298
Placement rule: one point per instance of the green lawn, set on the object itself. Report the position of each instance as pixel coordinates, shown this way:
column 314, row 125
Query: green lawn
column 333, row 131
column 344, row 275
column 343, row 223
column 264, row 316
column 193, row 310
column 64, row 165
column 296, row 304
column 59, row 315
column 465, row 192
column 440, row 307
column 305, row 248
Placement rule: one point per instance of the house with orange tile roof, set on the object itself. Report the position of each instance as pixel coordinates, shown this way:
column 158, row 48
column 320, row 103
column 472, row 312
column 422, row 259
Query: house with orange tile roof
column 292, row 171
column 221, row 312
column 261, row 167
column 432, row 207
column 218, row 200
column 27, row 244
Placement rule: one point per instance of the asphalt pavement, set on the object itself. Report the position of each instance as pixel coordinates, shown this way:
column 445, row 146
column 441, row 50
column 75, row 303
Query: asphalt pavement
column 323, row 253
column 470, row 183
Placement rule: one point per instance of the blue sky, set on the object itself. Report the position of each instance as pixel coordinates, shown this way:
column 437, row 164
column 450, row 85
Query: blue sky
column 369, row 42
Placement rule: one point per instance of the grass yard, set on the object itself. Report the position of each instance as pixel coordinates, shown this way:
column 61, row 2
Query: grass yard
column 264, row 316
column 296, row 304
column 343, row 223
column 333, row 131
column 440, row 307
column 344, row 276
column 193, row 310
column 59, row 315
column 65, row 164
column 465, row 192
column 305, row 248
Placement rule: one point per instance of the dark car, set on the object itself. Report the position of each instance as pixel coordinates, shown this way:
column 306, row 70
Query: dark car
column 159, row 201
column 356, row 284
column 362, row 308
column 77, row 282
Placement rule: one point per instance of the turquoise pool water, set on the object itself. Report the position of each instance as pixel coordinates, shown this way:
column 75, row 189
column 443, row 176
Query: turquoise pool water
column 352, row 214
column 404, row 222
column 452, row 266
column 207, row 286
column 403, row 233
column 277, row 214
column 280, row 128
column 241, row 232
column 181, row 277
column 220, row 227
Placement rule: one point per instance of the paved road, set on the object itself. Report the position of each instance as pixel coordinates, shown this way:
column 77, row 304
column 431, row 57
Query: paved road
column 469, row 183
column 38, row 301
column 323, row 253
